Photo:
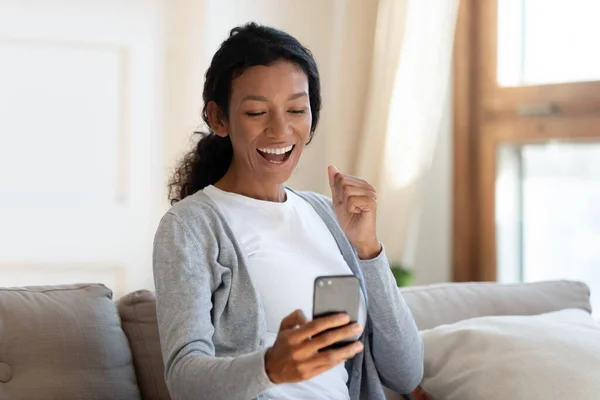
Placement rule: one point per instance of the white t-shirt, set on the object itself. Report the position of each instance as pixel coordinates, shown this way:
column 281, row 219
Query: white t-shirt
column 287, row 246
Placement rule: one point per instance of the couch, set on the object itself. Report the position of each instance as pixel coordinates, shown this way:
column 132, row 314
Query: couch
column 74, row 342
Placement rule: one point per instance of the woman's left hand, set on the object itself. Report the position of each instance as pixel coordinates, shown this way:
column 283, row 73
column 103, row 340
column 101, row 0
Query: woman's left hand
column 355, row 204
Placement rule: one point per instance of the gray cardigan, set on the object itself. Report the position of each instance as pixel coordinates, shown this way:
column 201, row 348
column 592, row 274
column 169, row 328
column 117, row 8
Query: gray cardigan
column 212, row 324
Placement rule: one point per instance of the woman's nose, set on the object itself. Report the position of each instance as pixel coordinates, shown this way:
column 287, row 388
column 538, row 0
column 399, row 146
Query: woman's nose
column 278, row 125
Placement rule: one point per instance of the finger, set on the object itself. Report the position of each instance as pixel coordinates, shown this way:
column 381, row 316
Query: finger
column 332, row 171
column 349, row 191
column 333, row 175
column 333, row 336
column 360, row 204
column 291, row 321
column 349, row 180
column 305, row 349
column 317, row 326
column 331, row 358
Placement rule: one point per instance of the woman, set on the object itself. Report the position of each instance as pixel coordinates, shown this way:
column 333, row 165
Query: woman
column 236, row 256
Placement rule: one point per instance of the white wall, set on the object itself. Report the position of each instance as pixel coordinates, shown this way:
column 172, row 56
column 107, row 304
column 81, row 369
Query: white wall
column 81, row 109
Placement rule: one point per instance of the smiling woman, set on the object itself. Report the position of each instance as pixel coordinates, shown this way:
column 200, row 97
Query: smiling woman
column 236, row 257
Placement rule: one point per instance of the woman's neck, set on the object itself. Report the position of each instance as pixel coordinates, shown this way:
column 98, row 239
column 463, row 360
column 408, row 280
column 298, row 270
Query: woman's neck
column 248, row 186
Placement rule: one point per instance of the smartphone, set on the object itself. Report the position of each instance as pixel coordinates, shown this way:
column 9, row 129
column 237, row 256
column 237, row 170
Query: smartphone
column 336, row 294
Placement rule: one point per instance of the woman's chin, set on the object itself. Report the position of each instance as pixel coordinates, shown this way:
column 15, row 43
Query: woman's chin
column 278, row 177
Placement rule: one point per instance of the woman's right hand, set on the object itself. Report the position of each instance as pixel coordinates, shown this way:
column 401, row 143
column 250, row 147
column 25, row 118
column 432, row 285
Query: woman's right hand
column 295, row 354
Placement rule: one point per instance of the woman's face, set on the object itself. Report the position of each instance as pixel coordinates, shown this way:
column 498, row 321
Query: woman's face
column 269, row 121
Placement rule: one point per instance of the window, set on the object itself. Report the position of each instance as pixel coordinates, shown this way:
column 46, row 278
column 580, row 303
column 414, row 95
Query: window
column 548, row 213
column 527, row 142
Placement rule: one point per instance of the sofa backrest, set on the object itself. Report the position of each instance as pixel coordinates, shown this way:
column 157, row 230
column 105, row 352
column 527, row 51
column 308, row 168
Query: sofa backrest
column 67, row 341
column 448, row 303
column 63, row 342
column 431, row 306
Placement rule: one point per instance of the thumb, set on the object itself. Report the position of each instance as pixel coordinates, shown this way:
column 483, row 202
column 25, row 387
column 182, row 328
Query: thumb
column 291, row 321
column 332, row 171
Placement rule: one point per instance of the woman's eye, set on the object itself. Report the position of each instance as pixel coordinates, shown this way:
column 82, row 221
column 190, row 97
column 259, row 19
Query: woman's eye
column 302, row 111
column 255, row 114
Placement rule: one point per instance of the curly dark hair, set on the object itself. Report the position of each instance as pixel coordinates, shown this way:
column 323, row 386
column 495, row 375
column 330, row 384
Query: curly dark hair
column 247, row 46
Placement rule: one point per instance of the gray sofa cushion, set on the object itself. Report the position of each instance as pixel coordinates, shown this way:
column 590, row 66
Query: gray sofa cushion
column 64, row 343
column 448, row 303
column 138, row 317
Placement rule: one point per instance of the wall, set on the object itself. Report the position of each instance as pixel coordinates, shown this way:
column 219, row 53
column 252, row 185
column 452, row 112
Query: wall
column 81, row 108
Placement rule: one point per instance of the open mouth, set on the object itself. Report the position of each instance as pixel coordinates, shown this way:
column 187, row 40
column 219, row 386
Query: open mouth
column 276, row 156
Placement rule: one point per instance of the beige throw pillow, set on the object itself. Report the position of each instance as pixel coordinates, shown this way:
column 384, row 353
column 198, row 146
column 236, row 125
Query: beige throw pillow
column 549, row 356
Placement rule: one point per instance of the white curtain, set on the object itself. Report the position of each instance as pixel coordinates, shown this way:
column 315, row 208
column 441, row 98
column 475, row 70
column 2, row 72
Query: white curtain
column 409, row 84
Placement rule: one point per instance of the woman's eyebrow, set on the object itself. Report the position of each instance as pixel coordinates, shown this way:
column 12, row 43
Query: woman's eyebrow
column 256, row 98
column 262, row 98
column 296, row 95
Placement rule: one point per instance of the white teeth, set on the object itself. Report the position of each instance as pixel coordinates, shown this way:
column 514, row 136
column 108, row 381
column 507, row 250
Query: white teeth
column 276, row 151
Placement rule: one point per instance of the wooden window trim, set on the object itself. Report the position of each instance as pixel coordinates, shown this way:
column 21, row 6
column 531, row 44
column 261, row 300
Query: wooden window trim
column 464, row 197
column 486, row 115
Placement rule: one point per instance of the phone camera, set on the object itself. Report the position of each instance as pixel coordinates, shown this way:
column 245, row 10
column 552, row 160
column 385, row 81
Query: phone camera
column 321, row 284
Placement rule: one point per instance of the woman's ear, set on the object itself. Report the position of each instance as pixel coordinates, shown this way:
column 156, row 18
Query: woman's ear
column 216, row 119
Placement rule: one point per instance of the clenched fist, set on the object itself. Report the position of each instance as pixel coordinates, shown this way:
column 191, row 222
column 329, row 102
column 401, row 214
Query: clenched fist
column 355, row 204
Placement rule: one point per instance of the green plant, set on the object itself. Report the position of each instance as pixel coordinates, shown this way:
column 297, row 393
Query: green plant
column 403, row 275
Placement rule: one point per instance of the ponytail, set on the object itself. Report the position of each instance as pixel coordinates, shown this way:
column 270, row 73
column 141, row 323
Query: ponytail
column 203, row 166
